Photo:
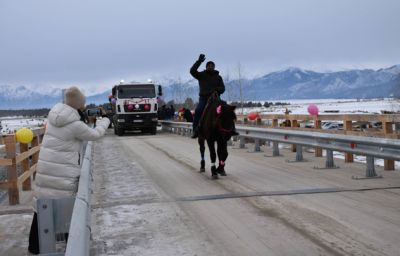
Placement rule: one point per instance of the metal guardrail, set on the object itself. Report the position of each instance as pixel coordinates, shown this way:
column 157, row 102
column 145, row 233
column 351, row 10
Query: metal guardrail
column 68, row 215
column 79, row 232
column 367, row 146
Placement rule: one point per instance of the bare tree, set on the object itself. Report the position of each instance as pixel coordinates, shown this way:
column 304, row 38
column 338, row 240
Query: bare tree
column 240, row 85
column 228, row 88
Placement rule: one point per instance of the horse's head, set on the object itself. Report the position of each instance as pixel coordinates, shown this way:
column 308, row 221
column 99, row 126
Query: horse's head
column 226, row 118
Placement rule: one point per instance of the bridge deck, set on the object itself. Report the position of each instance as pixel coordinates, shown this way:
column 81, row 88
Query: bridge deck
column 149, row 199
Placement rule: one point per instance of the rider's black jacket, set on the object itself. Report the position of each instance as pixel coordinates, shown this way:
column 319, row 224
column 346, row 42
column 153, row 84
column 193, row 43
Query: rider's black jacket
column 208, row 81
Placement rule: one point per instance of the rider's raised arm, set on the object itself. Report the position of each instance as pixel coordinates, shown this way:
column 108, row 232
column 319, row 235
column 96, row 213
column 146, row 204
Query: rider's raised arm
column 196, row 65
column 193, row 70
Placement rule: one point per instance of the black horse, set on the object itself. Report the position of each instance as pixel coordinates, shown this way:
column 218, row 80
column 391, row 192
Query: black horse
column 216, row 125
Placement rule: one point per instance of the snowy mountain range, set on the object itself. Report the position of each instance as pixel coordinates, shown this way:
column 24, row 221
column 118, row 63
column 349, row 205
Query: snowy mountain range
column 295, row 83
column 292, row 83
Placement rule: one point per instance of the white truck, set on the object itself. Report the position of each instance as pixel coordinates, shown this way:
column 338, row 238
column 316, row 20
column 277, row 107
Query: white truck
column 135, row 107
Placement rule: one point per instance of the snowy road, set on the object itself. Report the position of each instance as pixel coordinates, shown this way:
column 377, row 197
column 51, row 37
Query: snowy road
column 149, row 200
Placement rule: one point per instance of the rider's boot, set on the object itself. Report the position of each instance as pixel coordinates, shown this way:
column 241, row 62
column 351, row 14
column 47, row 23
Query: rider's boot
column 195, row 133
column 234, row 132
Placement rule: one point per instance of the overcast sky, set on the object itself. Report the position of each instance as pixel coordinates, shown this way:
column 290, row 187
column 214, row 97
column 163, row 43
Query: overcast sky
column 96, row 43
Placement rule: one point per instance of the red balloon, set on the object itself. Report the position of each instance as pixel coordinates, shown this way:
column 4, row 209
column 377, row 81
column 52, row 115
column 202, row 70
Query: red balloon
column 252, row 115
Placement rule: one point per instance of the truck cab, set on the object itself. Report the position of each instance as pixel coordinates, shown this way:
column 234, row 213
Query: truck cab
column 135, row 107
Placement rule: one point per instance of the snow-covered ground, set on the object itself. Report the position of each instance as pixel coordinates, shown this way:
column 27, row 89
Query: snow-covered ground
column 343, row 106
column 10, row 124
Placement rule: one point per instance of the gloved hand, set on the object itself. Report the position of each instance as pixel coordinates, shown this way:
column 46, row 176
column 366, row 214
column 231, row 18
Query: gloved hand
column 202, row 58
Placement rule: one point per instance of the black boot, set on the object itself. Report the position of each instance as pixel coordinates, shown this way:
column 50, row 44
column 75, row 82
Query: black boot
column 214, row 174
column 195, row 134
column 202, row 166
column 234, row 133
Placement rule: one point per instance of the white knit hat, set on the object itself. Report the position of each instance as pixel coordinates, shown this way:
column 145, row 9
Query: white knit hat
column 73, row 97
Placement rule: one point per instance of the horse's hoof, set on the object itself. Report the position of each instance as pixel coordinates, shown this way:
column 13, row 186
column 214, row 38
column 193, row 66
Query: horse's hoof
column 202, row 166
column 221, row 171
column 214, row 176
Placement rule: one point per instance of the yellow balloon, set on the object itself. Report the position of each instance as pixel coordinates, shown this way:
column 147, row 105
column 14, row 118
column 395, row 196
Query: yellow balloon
column 24, row 135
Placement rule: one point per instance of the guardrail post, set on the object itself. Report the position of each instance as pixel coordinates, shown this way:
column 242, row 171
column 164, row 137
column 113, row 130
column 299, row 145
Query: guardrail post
column 275, row 148
column 329, row 159
column 388, row 129
column 12, row 175
column 348, row 126
column 293, row 123
column 370, row 167
column 299, row 153
column 257, row 145
column 242, row 143
column 47, row 239
column 317, row 125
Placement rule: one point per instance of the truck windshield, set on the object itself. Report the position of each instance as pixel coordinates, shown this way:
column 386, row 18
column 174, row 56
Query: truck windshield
column 136, row 91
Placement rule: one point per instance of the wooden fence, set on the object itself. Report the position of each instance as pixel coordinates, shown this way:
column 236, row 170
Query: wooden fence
column 25, row 157
column 351, row 124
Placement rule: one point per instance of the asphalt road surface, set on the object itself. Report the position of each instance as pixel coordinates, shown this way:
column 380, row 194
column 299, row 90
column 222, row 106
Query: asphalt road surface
column 150, row 199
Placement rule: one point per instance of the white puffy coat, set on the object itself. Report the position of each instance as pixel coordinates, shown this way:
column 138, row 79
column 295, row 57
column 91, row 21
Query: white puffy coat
column 58, row 168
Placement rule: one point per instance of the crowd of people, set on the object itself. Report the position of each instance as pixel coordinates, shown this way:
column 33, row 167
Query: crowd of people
column 169, row 113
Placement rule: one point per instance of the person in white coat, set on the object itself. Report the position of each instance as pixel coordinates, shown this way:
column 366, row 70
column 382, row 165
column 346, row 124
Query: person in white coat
column 60, row 157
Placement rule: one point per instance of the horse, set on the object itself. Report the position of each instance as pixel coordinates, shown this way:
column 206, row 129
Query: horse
column 216, row 125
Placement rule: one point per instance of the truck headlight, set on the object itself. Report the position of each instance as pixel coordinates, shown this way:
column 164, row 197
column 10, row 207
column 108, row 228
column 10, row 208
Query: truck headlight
column 121, row 120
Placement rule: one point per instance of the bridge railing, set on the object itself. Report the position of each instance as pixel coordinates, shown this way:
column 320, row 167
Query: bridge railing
column 386, row 125
column 367, row 146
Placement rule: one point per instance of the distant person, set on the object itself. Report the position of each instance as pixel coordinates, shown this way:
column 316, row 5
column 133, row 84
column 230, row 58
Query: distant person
column 187, row 114
column 162, row 113
column 172, row 111
column 60, row 156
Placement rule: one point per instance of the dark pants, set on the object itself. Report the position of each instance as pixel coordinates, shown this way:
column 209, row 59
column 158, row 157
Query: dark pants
column 199, row 111
column 34, row 236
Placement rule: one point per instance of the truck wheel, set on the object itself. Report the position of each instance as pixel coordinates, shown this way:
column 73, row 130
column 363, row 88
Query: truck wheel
column 153, row 130
column 115, row 130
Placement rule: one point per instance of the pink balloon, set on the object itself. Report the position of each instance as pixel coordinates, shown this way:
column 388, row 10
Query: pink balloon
column 130, row 107
column 113, row 100
column 313, row 109
column 110, row 95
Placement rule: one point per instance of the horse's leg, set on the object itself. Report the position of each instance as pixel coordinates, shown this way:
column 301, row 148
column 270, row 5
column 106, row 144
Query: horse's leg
column 222, row 150
column 202, row 150
column 213, row 156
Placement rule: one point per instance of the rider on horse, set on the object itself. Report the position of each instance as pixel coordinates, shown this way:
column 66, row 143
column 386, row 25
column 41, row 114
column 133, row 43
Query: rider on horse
column 209, row 82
